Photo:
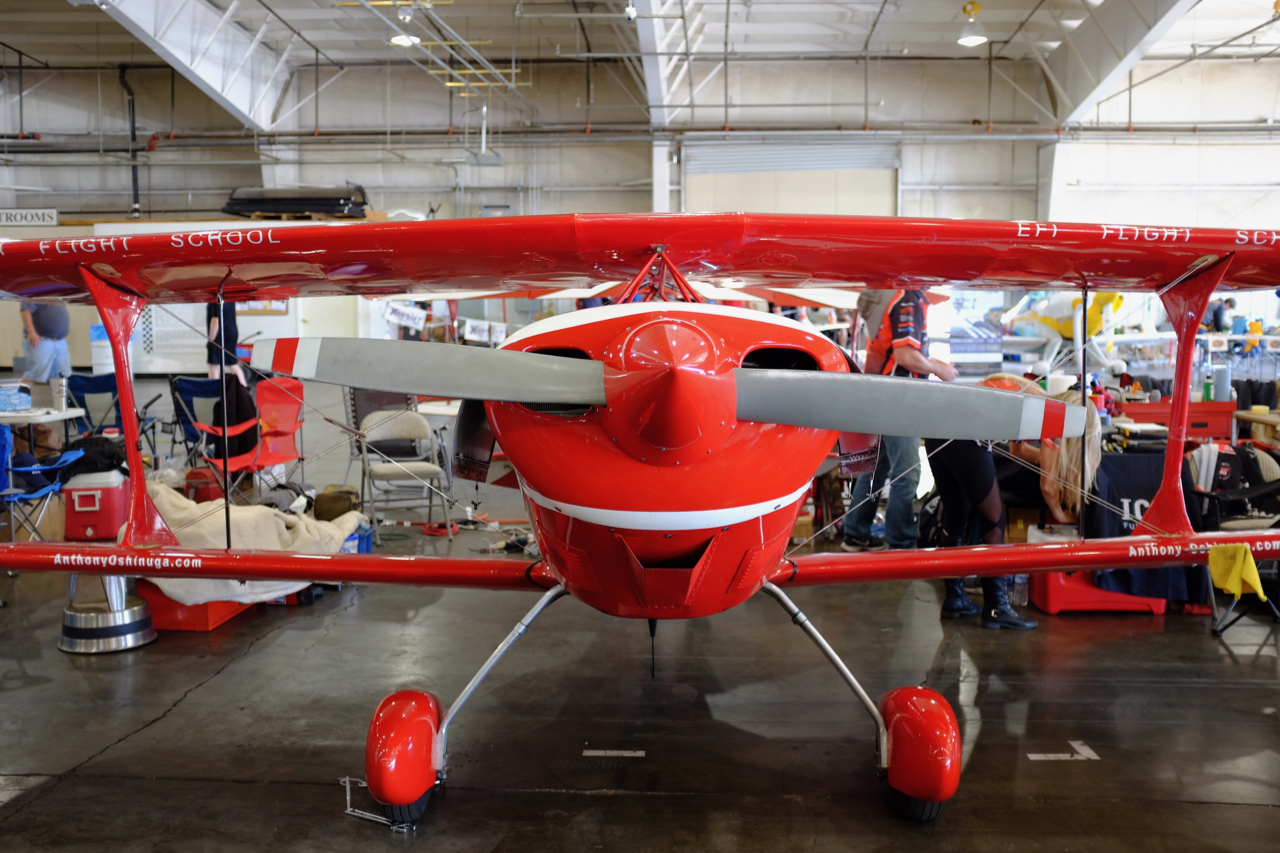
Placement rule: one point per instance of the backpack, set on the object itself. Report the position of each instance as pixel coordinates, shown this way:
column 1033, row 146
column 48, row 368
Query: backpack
column 240, row 408
column 929, row 530
column 100, row 454
column 335, row 501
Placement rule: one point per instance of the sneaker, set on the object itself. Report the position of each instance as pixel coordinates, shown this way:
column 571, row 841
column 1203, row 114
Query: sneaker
column 874, row 543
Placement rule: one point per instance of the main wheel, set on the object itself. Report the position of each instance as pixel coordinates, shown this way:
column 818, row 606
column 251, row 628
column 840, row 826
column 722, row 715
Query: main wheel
column 924, row 751
column 909, row 808
column 400, row 754
column 410, row 813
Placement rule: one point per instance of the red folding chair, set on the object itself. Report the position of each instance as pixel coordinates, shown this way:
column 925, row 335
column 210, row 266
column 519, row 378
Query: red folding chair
column 279, row 422
column 280, row 416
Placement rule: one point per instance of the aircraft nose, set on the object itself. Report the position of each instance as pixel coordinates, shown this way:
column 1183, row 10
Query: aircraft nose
column 670, row 392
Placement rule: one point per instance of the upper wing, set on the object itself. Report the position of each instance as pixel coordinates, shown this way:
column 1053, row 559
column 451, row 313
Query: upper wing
column 575, row 250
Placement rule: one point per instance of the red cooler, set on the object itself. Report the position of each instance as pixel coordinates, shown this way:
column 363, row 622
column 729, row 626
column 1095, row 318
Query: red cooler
column 97, row 505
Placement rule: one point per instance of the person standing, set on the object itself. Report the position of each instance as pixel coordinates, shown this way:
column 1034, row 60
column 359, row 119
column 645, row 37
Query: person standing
column 1215, row 315
column 900, row 348
column 44, row 342
column 223, row 328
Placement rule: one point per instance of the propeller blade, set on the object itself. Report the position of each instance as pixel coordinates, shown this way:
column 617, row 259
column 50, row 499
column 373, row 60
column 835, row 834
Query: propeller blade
column 439, row 370
column 883, row 405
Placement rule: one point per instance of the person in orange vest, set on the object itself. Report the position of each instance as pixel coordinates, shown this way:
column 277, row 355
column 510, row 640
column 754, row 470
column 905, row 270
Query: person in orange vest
column 900, row 348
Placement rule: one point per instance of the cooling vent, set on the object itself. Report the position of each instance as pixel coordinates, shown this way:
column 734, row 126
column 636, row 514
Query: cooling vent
column 559, row 410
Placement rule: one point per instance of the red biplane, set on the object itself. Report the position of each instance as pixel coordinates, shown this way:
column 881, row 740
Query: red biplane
column 663, row 445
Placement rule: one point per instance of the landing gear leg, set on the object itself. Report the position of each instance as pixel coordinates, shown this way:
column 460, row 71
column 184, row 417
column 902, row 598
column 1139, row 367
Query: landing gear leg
column 917, row 736
column 548, row 598
column 406, row 749
column 882, row 731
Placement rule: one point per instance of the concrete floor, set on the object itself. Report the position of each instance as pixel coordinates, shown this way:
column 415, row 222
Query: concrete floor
column 236, row 739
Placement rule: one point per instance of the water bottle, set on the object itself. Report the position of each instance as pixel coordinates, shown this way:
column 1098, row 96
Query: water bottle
column 1018, row 586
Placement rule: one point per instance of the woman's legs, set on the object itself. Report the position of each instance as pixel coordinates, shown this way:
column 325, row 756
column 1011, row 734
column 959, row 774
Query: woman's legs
column 955, row 524
column 966, row 475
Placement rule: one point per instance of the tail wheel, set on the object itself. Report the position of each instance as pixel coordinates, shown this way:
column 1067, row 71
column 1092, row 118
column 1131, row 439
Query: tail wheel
column 400, row 754
column 924, row 751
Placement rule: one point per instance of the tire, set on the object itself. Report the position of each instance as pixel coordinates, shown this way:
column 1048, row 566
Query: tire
column 909, row 808
column 411, row 813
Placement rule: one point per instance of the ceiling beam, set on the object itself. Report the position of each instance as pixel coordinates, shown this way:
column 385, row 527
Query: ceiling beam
column 651, row 31
column 1095, row 57
column 204, row 43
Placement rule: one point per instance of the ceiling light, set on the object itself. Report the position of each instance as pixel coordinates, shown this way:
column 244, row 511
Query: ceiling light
column 630, row 12
column 405, row 14
column 972, row 34
column 403, row 40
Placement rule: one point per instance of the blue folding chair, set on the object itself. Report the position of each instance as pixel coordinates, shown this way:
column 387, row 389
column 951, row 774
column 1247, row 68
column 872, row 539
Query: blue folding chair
column 193, row 402
column 16, row 500
column 100, row 399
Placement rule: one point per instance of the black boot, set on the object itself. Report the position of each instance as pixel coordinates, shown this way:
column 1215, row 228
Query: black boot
column 957, row 602
column 996, row 610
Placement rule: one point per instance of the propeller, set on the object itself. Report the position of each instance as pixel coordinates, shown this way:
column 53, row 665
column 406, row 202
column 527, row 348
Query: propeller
column 438, row 370
column 848, row 402
column 883, row 405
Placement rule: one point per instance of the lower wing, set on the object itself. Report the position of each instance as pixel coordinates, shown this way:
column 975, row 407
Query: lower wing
column 84, row 558
column 1129, row 552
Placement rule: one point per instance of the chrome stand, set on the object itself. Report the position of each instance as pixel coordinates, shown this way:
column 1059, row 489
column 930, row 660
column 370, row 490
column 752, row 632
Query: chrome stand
column 112, row 624
column 442, row 737
column 882, row 731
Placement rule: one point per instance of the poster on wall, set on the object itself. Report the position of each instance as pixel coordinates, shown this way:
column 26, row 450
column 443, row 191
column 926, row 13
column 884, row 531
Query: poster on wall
column 272, row 307
column 976, row 333
column 405, row 314
column 170, row 339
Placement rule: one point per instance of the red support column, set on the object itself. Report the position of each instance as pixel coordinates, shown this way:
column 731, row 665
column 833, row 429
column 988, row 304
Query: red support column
column 1185, row 302
column 120, row 311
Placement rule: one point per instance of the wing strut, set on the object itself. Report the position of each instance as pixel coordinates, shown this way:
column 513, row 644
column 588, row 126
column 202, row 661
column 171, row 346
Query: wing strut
column 1185, row 301
column 120, row 310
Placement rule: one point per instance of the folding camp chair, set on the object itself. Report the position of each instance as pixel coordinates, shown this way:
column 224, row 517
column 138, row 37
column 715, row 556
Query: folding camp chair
column 1239, row 487
column 16, row 500
column 279, row 403
column 100, row 399
column 193, row 402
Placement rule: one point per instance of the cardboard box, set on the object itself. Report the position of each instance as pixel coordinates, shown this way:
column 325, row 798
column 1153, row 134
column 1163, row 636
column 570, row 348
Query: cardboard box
column 803, row 529
column 1019, row 520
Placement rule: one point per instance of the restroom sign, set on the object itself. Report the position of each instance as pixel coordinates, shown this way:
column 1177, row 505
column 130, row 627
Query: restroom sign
column 28, row 216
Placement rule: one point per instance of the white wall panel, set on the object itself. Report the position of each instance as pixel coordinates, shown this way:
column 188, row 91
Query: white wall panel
column 865, row 192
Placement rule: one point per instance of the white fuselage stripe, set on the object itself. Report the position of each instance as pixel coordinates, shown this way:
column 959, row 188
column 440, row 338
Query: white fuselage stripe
column 692, row 520
column 607, row 312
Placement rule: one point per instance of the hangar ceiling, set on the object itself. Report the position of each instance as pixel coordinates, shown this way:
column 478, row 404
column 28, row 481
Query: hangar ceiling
column 668, row 52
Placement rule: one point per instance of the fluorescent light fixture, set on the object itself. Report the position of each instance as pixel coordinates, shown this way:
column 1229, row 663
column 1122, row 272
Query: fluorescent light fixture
column 409, row 41
column 972, row 34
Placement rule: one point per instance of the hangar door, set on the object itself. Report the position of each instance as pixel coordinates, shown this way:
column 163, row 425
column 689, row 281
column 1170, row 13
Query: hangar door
column 774, row 177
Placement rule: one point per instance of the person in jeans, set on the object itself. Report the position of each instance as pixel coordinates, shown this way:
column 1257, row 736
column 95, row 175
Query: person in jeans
column 900, row 348
column 44, row 342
